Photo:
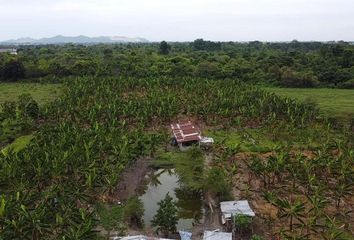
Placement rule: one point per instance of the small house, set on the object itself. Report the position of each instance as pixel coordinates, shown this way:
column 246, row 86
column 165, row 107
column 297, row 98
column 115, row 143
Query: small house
column 217, row 235
column 185, row 135
column 233, row 208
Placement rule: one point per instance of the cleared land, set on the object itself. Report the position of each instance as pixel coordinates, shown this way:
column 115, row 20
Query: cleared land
column 42, row 93
column 337, row 102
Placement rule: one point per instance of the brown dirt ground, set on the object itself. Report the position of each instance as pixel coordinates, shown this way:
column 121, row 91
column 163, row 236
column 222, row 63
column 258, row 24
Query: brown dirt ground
column 247, row 186
column 131, row 180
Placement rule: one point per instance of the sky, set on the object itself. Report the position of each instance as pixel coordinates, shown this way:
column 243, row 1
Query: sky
column 181, row 20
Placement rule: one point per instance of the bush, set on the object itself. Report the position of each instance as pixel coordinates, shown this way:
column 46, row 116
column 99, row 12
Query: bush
column 207, row 69
column 32, row 109
column 133, row 211
column 216, row 181
column 290, row 78
column 242, row 222
column 112, row 219
column 348, row 84
column 27, row 106
column 8, row 110
column 257, row 237
column 13, row 70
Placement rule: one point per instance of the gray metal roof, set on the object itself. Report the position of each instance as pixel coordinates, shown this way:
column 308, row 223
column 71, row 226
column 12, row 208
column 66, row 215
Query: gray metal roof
column 236, row 207
column 138, row 237
column 216, row 235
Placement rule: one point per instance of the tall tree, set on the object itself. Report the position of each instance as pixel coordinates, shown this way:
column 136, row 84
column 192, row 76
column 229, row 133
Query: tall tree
column 13, row 70
column 164, row 48
column 166, row 217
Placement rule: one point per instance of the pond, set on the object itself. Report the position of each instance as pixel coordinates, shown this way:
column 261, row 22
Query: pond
column 189, row 203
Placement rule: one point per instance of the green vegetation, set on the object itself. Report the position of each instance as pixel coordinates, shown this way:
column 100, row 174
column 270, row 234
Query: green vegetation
column 332, row 102
column 190, row 169
column 168, row 159
column 166, row 217
column 265, row 138
column 18, row 118
column 257, row 237
column 295, row 64
column 217, row 182
column 42, row 93
column 118, row 106
column 120, row 217
column 112, row 218
column 242, row 222
column 19, row 144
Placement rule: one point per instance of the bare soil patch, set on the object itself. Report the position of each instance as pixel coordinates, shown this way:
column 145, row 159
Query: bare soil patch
column 131, row 179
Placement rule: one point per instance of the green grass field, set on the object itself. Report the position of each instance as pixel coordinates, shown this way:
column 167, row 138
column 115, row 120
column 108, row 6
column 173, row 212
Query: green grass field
column 42, row 93
column 336, row 102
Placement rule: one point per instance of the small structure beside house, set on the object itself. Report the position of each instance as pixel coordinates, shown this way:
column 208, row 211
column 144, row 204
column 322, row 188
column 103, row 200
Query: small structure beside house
column 12, row 51
column 232, row 208
column 185, row 235
column 206, row 141
column 217, row 235
column 186, row 134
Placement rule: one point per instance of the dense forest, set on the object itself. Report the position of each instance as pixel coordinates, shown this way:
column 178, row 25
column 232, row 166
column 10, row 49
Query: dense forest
column 294, row 64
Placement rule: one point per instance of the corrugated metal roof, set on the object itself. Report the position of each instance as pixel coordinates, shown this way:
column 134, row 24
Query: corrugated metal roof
column 138, row 237
column 236, row 207
column 216, row 235
column 185, row 132
column 185, row 235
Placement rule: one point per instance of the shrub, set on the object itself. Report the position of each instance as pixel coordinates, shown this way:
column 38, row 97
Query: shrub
column 8, row 110
column 242, row 222
column 112, row 219
column 27, row 106
column 133, row 211
column 32, row 109
column 290, row 78
column 257, row 237
column 216, row 181
column 348, row 84
column 13, row 70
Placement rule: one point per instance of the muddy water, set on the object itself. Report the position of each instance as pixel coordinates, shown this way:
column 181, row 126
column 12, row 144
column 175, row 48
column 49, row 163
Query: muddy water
column 189, row 204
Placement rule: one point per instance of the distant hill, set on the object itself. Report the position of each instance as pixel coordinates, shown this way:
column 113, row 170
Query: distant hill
column 77, row 40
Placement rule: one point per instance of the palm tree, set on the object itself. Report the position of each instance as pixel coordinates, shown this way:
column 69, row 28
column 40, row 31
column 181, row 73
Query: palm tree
column 317, row 203
column 333, row 229
column 290, row 210
column 341, row 190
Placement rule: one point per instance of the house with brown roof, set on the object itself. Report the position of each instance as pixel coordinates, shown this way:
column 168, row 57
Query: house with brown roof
column 185, row 134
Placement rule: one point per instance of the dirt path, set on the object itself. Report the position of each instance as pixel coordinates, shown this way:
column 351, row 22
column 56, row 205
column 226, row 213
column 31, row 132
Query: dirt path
column 131, row 179
column 211, row 206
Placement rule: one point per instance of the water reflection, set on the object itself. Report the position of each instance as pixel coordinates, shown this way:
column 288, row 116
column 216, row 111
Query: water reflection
column 189, row 203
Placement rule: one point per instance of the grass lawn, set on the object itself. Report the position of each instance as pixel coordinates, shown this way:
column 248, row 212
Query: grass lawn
column 42, row 93
column 337, row 102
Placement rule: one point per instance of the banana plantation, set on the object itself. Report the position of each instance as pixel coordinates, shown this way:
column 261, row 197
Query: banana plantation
column 295, row 167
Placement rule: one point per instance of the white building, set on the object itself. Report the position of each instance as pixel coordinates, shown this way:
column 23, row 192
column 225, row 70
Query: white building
column 12, row 51
column 138, row 237
column 217, row 235
column 232, row 208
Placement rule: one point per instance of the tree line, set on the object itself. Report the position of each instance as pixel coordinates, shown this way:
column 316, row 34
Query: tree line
column 294, row 64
